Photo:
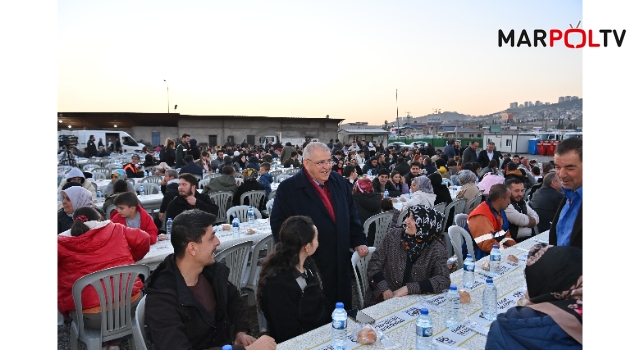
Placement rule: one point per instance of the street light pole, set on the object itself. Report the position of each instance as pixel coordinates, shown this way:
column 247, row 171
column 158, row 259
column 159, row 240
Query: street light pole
column 165, row 82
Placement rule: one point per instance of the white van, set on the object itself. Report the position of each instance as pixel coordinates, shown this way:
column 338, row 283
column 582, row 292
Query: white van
column 129, row 144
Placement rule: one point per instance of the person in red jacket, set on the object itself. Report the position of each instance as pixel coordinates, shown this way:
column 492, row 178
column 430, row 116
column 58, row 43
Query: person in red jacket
column 93, row 245
column 130, row 213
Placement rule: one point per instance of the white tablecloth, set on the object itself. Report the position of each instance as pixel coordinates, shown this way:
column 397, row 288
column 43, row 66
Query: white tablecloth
column 404, row 334
column 161, row 249
column 102, row 184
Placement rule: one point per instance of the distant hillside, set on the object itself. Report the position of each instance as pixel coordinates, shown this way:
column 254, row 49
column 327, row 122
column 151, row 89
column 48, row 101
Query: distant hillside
column 564, row 105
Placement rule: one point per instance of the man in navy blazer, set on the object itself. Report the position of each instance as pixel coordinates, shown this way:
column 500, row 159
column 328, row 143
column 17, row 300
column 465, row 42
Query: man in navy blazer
column 322, row 194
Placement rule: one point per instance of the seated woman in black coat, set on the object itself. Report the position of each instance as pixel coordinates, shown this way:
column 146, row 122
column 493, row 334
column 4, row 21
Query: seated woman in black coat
column 289, row 288
column 368, row 204
column 250, row 177
column 441, row 191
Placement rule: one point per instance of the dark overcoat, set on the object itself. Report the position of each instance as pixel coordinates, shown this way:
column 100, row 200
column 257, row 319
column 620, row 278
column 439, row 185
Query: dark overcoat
column 297, row 196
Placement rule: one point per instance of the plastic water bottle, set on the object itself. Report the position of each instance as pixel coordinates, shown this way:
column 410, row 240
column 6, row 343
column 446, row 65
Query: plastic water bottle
column 98, row 193
column 490, row 301
column 236, row 226
column 227, row 347
column 142, row 190
column 203, row 173
column 410, row 193
column 217, row 170
column 250, row 215
column 386, row 193
column 424, row 330
column 291, row 166
column 452, row 308
column 339, row 327
column 468, row 273
column 495, row 258
column 168, row 228
column 369, row 172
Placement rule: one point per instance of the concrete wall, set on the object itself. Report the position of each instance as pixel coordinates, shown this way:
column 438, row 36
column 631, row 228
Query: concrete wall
column 145, row 133
column 241, row 127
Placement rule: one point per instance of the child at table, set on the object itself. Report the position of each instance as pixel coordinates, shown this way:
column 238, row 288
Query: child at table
column 265, row 178
column 130, row 213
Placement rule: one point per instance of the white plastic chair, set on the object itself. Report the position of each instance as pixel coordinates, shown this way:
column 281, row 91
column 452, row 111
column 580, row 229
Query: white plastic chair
column 359, row 266
column 223, row 200
column 472, row 204
column 402, row 216
column 105, row 171
column 152, row 179
column 440, row 207
column 457, row 235
column 235, row 257
column 460, row 219
column 255, row 198
column 281, row 177
column 272, row 195
column 139, row 333
column 447, row 182
column 241, row 211
column 115, row 305
column 270, row 206
column 454, row 208
column 202, row 183
column 382, row 222
column 150, row 187
column 99, row 176
column 250, row 279
column 110, row 209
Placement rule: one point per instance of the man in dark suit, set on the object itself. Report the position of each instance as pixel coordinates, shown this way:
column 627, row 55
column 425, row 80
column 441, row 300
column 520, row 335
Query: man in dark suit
column 566, row 228
column 488, row 154
column 546, row 200
column 323, row 195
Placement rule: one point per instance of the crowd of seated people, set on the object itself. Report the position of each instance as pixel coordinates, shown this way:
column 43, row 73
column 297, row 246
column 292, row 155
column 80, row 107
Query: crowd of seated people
column 410, row 259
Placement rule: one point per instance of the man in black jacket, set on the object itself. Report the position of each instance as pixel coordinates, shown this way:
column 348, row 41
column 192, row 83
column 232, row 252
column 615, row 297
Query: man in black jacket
column 191, row 167
column 486, row 155
column 189, row 198
column 382, row 183
column 92, row 150
column 181, row 150
column 169, row 188
column 189, row 302
column 402, row 166
column 546, row 200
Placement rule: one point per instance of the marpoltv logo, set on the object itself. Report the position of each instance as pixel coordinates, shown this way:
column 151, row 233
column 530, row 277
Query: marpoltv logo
column 586, row 37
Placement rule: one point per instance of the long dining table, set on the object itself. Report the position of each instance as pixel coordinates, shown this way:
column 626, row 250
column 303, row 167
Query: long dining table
column 159, row 251
column 395, row 317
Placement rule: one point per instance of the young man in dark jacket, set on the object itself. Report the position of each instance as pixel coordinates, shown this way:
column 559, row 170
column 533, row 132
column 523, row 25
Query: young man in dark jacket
column 189, row 302
column 382, row 183
column 189, row 198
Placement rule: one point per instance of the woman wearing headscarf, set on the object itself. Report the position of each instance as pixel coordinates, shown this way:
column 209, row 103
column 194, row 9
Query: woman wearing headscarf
column 193, row 149
column 469, row 189
column 73, row 197
column 439, row 189
column 92, row 245
column 368, row 204
column 117, row 174
column 250, row 178
column 411, row 259
column 289, row 288
column 422, row 192
column 551, row 317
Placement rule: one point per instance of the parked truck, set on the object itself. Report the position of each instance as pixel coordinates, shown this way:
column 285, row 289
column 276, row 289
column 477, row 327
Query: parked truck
column 129, row 144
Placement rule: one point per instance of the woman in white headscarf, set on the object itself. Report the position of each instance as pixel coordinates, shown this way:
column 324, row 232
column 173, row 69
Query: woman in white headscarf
column 73, row 198
column 422, row 192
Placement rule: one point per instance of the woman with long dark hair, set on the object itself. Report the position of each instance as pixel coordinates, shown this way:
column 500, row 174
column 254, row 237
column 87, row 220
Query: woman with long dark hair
column 289, row 288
